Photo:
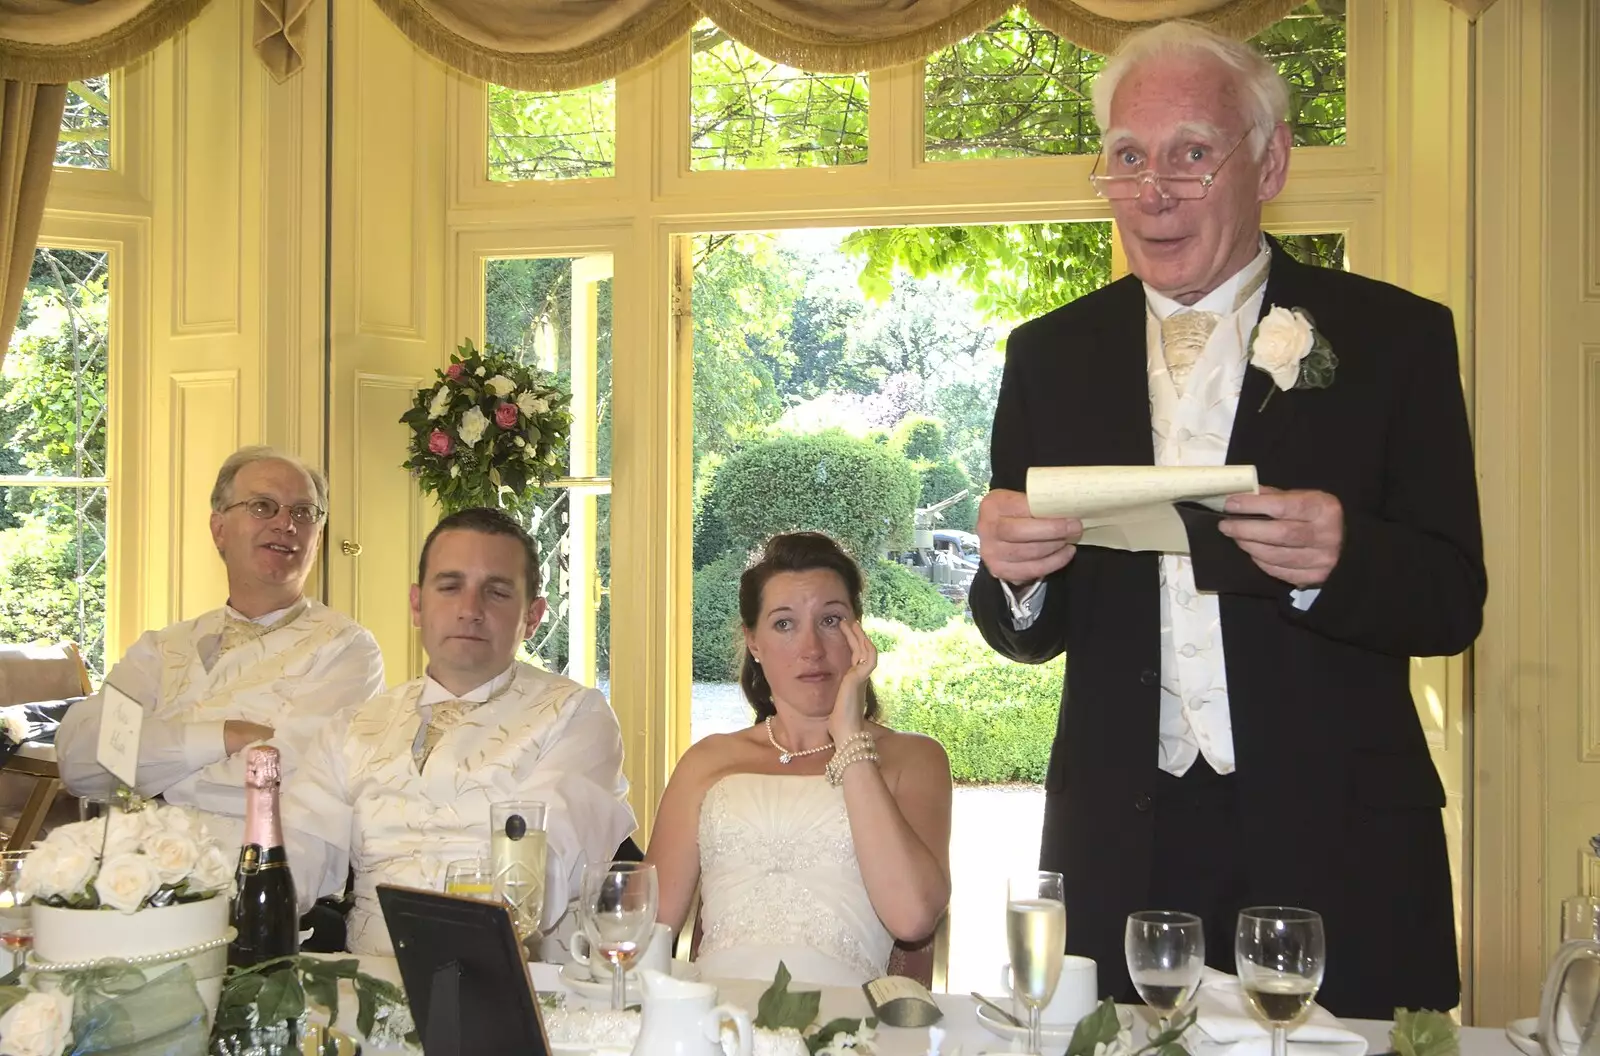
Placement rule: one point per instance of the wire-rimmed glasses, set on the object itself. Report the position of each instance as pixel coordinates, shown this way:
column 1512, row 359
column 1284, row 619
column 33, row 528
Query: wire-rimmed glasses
column 262, row 508
column 1177, row 185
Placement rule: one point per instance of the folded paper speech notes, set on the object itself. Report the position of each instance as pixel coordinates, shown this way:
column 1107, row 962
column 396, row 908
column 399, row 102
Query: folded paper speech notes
column 1136, row 507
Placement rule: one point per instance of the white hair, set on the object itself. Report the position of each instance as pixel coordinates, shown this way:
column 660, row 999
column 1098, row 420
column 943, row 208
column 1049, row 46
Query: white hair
column 1266, row 93
column 220, row 492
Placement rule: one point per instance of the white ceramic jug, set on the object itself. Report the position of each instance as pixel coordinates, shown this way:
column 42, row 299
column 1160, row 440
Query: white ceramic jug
column 682, row 1018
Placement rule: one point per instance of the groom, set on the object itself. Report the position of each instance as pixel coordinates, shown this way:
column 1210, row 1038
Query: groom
column 1237, row 729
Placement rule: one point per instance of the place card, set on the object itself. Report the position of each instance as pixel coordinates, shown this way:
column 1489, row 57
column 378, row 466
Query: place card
column 901, row 1002
column 120, row 720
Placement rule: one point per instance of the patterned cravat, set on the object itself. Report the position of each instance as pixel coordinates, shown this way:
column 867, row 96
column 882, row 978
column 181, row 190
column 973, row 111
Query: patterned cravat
column 237, row 632
column 1183, row 337
column 445, row 716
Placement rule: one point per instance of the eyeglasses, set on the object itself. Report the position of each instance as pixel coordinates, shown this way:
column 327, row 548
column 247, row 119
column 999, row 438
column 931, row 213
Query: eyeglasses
column 1180, row 186
column 265, row 509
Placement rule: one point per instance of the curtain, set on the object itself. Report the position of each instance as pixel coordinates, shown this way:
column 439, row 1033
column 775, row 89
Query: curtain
column 30, row 119
column 553, row 45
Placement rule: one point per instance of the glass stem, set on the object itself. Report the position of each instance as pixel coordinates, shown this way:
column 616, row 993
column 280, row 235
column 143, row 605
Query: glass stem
column 1280, row 1040
column 619, row 980
column 1035, row 1033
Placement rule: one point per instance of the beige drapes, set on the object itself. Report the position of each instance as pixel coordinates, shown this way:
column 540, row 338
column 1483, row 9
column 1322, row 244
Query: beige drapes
column 550, row 45
column 30, row 117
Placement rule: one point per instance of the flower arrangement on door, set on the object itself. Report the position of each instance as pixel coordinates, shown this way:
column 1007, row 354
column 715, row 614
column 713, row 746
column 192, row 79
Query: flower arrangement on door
column 488, row 432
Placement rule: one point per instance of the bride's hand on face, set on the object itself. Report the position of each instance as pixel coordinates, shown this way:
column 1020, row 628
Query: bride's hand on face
column 850, row 706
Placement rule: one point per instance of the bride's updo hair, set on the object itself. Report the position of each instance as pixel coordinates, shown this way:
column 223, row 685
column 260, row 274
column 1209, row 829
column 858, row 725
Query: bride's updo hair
column 790, row 552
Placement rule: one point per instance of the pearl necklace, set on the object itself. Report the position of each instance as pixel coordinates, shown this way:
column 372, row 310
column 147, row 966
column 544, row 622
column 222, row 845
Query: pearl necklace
column 784, row 754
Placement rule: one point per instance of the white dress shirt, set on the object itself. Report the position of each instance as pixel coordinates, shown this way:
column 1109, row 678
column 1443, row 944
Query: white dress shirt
column 312, row 666
column 362, row 801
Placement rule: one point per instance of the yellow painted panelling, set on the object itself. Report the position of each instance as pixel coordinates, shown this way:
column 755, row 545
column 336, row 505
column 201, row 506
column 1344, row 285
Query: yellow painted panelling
column 207, row 138
column 387, row 522
column 204, row 428
column 1589, row 525
column 1589, row 108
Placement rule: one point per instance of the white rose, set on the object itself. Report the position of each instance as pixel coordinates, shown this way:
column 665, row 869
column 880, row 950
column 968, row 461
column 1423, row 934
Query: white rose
column 38, row 1025
column 14, row 725
column 126, row 880
column 479, row 372
column 83, row 834
column 473, row 423
column 213, row 871
column 530, row 405
column 441, row 402
column 500, row 385
column 174, row 855
column 52, row 869
column 125, row 833
column 1282, row 340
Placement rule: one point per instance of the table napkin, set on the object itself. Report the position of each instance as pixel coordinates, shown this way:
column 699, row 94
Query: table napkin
column 1225, row 1026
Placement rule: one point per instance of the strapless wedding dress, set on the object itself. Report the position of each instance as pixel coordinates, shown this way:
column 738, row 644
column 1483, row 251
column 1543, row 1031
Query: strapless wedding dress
column 779, row 881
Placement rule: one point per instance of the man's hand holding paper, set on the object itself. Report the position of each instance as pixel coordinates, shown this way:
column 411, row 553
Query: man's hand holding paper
column 1019, row 547
column 1296, row 537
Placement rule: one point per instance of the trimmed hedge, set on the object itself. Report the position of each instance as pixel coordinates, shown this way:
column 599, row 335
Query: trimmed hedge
column 921, row 438
column 995, row 718
column 894, row 592
column 716, row 619
column 942, row 479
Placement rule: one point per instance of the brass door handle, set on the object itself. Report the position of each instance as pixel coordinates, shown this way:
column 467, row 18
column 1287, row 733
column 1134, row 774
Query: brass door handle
column 350, row 548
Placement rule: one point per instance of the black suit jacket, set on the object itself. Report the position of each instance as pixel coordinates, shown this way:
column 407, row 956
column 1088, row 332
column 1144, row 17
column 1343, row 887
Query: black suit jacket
column 1338, row 799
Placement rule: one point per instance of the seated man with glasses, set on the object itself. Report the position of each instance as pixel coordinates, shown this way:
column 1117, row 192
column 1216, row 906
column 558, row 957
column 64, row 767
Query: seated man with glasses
column 270, row 665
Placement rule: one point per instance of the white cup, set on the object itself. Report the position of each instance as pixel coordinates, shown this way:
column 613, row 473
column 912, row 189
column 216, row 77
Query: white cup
column 1076, row 995
column 657, row 954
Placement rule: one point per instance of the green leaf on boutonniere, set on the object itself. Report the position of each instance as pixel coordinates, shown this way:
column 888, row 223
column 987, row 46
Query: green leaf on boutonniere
column 779, row 1007
column 1099, row 1027
column 1424, row 1033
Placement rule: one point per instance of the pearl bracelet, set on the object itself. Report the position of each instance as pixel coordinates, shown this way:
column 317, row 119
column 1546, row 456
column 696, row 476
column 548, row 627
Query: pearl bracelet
column 854, row 751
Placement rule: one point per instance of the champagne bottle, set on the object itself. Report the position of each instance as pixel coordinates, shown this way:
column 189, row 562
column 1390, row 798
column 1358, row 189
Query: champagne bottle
column 263, row 909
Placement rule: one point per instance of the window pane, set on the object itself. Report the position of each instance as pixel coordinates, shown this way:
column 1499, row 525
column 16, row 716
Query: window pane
column 1324, row 251
column 1308, row 47
column 53, row 568
column 53, row 381
column 1016, row 90
column 552, row 135
column 747, row 112
column 573, row 530
column 85, row 141
column 533, row 311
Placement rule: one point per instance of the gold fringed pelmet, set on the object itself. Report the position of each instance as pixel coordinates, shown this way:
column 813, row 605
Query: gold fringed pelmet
column 93, row 56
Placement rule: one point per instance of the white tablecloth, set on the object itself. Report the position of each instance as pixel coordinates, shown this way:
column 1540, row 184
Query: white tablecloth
column 960, row 1024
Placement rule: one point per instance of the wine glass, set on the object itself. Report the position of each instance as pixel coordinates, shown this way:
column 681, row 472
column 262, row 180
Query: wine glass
column 1280, row 953
column 618, row 907
column 16, row 916
column 469, row 878
column 517, row 855
column 1166, row 953
column 1036, row 935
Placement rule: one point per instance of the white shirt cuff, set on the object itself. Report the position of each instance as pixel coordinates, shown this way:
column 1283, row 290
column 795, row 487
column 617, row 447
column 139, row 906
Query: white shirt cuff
column 1302, row 599
column 1024, row 609
column 203, row 744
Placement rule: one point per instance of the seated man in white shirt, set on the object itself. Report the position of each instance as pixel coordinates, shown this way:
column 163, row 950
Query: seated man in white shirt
column 404, row 786
column 270, row 665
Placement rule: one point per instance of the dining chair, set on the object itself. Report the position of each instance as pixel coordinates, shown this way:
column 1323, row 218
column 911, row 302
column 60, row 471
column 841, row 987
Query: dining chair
column 31, row 674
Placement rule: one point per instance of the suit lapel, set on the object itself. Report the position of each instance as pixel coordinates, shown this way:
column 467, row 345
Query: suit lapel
column 1259, row 422
column 1122, row 386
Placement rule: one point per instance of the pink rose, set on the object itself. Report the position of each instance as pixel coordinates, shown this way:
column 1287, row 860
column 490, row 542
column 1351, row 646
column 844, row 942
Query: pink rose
column 454, row 371
column 505, row 415
column 440, row 443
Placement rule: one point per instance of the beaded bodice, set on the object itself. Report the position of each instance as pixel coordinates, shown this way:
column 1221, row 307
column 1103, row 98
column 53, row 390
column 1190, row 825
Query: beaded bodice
column 778, row 868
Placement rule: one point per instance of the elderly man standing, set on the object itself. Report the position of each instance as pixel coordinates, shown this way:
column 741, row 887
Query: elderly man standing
column 1239, row 732
column 270, row 665
column 405, row 785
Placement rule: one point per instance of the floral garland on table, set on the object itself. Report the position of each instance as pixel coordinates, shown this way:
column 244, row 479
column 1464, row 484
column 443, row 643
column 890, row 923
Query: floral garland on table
column 488, row 432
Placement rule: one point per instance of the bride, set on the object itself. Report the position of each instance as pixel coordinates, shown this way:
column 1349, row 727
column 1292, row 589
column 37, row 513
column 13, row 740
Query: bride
column 818, row 836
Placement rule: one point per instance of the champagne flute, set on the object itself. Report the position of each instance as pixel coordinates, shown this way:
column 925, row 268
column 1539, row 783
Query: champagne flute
column 517, row 855
column 618, row 906
column 1280, row 953
column 469, row 878
column 1166, row 953
column 16, row 916
column 1036, row 935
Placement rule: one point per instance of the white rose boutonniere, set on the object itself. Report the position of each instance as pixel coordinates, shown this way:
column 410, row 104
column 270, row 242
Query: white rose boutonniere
column 473, row 423
column 38, row 1025
column 1287, row 345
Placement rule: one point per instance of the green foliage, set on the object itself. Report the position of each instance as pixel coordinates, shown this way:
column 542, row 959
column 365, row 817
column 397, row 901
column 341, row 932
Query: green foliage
column 84, row 141
column 746, row 112
column 967, row 410
column 780, row 1007
column 945, row 478
column 994, row 717
column 1102, row 1027
column 1015, row 271
column 921, row 439
column 896, row 593
column 1308, row 47
column 490, row 427
column 716, row 619
column 552, row 135
column 1424, row 1034
column 267, row 995
column 856, row 491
